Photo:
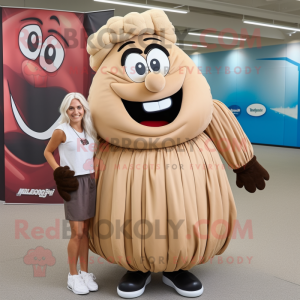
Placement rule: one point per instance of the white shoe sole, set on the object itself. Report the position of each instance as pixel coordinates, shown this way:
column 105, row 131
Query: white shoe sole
column 184, row 293
column 75, row 292
column 134, row 294
column 93, row 290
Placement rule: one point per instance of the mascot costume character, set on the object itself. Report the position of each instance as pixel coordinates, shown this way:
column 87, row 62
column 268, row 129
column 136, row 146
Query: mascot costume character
column 164, row 203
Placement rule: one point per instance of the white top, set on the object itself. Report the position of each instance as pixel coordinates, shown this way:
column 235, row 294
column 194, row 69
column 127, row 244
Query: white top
column 72, row 153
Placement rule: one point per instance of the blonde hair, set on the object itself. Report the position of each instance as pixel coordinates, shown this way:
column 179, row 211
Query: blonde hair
column 87, row 122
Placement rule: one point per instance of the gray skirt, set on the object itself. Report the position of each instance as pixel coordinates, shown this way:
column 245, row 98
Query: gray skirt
column 83, row 201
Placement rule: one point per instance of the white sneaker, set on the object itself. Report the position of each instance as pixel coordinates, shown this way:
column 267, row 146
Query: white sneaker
column 76, row 284
column 88, row 279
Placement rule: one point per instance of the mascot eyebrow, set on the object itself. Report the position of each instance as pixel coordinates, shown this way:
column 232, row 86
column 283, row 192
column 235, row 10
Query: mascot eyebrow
column 125, row 44
column 139, row 51
column 50, row 30
column 129, row 51
column 152, row 46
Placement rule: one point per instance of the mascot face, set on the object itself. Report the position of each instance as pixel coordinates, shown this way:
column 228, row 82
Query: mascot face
column 148, row 89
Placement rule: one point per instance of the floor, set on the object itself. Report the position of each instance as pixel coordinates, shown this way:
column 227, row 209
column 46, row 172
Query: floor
column 265, row 266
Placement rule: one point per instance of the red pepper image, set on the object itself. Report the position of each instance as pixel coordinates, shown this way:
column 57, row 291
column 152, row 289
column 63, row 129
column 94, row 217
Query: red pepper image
column 44, row 58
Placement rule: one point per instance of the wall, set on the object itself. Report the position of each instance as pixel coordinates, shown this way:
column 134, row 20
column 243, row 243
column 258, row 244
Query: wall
column 268, row 76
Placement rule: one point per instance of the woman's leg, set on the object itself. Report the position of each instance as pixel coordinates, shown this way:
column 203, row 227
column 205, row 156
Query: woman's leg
column 74, row 244
column 84, row 247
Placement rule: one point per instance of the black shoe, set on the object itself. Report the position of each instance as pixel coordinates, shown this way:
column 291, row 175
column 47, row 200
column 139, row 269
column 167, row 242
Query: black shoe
column 185, row 283
column 133, row 284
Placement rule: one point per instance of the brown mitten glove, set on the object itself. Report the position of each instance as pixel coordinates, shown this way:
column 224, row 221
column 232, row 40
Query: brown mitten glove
column 65, row 181
column 252, row 175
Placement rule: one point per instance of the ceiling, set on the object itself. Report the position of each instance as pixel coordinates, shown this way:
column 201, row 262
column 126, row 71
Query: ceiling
column 285, row 6
column 204, row 14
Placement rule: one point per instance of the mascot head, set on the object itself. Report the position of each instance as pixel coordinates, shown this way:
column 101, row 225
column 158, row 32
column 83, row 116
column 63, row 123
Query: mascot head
column 146, row 93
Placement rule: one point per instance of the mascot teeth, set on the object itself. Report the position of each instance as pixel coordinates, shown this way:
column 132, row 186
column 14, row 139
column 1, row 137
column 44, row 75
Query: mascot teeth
column 157, row 105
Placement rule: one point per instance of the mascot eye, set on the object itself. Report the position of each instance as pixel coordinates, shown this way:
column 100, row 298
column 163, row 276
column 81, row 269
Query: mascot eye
column 52, row 54
column 158, row 61
column 30, row 38
column 136, row 67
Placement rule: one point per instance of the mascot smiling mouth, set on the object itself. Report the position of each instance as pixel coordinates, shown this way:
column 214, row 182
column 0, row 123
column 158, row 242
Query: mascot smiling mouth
column 36, row 116
column 155, row 113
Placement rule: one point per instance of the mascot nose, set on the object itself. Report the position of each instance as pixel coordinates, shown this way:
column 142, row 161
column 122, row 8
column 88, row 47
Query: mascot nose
column 155, row 82
column 34, row 74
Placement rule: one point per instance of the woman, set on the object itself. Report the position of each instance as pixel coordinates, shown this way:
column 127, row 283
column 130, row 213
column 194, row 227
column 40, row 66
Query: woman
column 75, row 181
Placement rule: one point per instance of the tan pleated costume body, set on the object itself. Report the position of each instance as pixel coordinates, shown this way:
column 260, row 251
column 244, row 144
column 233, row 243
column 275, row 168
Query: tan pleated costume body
column 175, row 203
column 167, row 207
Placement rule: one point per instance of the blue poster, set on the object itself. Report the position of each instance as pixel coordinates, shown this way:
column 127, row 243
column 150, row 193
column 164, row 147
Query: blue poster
column 261, row 87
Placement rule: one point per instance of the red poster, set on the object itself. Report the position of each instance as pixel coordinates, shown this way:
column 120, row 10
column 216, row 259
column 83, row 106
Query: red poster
column 44, row 58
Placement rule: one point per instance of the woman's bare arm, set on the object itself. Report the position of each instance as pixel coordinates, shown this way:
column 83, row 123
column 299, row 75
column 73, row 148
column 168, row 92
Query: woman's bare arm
column 57, row 138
